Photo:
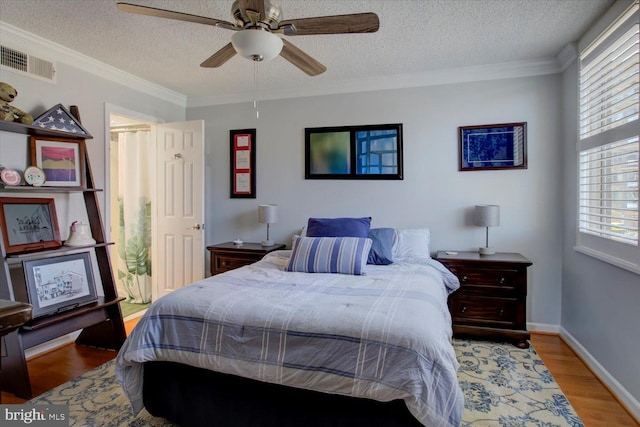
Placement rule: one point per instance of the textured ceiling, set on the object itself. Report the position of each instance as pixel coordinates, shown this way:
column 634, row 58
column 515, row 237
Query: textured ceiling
column 415, row 36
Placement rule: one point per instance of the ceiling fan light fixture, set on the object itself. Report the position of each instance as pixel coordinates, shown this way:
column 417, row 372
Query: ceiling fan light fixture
column 256, row 44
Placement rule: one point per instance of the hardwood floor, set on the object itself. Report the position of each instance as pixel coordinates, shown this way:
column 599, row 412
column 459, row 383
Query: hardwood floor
column 593, row 402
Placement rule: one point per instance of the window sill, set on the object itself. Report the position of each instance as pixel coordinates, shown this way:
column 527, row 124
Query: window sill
column 634, row 268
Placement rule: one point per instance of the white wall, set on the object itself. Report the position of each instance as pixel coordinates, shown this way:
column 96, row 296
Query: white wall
column 433, row 193
column 600, row 302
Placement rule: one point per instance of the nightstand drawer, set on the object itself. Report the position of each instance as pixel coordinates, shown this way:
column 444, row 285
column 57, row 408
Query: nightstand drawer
column 503, row 279
column 224, row 263
column 228, row 256
column 471, row 309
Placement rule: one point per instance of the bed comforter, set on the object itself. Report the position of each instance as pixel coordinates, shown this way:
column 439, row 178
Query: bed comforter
column 383, row 336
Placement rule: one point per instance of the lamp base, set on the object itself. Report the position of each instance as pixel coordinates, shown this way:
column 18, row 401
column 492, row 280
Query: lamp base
column 487, row 251
column 267, row 243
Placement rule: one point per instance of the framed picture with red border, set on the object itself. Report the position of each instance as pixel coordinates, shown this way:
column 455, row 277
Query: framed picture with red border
column 242, row 144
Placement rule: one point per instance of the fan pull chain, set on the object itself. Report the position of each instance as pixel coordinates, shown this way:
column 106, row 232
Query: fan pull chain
column 255, row 88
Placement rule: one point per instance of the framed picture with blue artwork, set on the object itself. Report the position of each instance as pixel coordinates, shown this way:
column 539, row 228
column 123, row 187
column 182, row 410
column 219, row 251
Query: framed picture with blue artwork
column 489, row 147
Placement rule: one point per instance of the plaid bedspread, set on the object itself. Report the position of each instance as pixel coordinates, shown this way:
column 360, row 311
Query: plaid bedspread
column 383, row 336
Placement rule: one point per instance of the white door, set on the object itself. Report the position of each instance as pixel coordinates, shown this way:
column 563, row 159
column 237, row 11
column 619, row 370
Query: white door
column 179, row 255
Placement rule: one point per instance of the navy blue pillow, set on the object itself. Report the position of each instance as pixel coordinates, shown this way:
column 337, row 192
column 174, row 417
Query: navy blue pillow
column 338, row 227
column 381, row 252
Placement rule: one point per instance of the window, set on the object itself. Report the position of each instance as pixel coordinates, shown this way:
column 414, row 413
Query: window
column 609, row 131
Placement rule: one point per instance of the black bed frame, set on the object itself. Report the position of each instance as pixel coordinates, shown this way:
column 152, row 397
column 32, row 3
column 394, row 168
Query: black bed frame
column 192, row 396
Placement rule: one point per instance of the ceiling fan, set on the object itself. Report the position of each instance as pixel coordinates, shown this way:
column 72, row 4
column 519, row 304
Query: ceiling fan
column 256, row 23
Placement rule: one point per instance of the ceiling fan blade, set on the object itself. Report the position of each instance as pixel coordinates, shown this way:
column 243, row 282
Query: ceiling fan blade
column 337, row 24
column 169, row 14
column 301, row 60
column 220, row 57
column 247, row 7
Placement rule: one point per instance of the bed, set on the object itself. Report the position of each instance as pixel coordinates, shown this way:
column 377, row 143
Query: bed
column 262, row 346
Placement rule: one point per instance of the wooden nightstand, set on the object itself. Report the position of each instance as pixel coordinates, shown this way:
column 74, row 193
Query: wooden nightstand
column 492, row 299
column 227, row 256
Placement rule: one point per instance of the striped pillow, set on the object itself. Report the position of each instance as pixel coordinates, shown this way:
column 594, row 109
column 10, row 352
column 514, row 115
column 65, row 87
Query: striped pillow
column 345, row 255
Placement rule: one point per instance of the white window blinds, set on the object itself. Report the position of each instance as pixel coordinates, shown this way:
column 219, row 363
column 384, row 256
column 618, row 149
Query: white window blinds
column 609, row 130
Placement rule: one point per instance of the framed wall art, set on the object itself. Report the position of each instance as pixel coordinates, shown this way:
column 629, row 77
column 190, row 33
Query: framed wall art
column 488, row 147
column 59, row 283
column 62, row 160
column 354, row 152
column 242, row 164
column 29, row 224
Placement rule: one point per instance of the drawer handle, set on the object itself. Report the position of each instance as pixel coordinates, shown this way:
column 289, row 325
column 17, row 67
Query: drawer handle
column 464, row 278
column 464, row 309
column 224, row 263
column 502, row 280
column 501, row 312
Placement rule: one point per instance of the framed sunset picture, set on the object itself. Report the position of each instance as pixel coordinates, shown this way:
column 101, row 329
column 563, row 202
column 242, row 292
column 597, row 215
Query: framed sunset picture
column 61, row 160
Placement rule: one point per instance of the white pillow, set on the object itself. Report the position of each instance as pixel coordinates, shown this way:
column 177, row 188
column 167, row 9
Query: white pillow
column 412, row 243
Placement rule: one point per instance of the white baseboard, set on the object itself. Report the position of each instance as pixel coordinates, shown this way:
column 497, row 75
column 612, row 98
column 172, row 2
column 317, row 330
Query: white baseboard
column 626, row 399
column 543, row 327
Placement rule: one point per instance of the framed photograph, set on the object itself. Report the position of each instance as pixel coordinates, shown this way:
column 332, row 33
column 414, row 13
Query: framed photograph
column 29, row 224
column 354, row 152
column 62, row 160
column 59, row 283
column 242, row 164
column 488, row 147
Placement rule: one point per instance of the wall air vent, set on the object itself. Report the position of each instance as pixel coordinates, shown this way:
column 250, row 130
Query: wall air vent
column 22, row 62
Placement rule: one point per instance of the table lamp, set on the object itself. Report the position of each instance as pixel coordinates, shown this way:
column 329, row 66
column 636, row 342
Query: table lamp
column 267, row 214
column 487, row 216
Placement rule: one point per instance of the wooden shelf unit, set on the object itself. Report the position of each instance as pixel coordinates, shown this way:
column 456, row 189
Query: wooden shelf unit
column 101, row 322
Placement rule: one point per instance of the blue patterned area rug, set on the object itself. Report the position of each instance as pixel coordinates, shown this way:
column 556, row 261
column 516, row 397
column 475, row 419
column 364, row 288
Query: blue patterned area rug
column 502, row 385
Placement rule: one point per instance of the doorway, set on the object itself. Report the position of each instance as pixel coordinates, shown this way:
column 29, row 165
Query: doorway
column 176, row 210
column 131, row 197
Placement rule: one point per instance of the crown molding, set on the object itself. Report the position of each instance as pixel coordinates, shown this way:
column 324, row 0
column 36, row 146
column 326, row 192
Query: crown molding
column 398, row 81
column 19, row 39
column 32, row 44
column 567, row 55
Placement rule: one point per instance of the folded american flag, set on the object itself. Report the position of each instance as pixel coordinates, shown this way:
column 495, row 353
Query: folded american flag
column 59, row 118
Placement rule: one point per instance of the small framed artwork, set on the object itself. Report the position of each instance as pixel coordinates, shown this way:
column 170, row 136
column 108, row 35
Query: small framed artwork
column 62, row 160
column 354, row 152
column 243, row 164
column 488, row 147
column 29, row 224
column 59, row 283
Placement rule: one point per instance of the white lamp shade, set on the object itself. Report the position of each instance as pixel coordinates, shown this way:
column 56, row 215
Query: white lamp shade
column 268, row 214
column 258, row 45
column 487, row 215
